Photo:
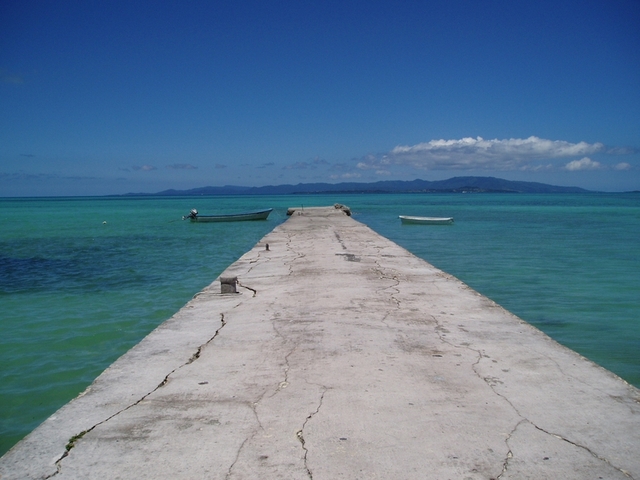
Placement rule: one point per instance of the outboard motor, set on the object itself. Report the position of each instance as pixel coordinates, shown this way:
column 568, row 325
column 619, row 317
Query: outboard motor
column 193, row 213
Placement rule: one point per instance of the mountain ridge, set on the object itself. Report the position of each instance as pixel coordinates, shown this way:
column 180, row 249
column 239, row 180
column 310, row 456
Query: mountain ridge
column 451, row 185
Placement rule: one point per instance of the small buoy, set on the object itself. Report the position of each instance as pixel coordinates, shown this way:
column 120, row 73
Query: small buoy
column 104, row 223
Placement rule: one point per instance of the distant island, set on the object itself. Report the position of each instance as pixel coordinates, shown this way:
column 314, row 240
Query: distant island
column 452, row 185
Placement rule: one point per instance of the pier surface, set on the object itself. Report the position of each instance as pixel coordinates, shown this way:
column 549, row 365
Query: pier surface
column 341, row 356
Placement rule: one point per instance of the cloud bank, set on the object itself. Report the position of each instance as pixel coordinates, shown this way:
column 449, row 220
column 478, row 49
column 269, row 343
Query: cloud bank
column 480, row 154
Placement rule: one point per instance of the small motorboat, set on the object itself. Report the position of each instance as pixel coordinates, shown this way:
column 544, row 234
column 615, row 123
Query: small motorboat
column 194, row 216
column 426, row 220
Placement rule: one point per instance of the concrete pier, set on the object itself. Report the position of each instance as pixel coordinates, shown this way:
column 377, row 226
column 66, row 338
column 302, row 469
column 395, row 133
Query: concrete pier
column 341, row 355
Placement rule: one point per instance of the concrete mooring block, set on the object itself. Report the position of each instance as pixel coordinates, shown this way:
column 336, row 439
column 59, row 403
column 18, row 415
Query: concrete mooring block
column 228, row 284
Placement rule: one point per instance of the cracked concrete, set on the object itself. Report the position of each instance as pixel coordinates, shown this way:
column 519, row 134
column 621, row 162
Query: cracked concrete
column 342, row 356
column 300, row 435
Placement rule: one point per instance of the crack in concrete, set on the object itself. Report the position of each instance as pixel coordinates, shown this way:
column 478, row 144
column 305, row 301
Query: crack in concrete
column 285, row 383
column 505, row 464
column 299, row 255
column 587, row 449
column 380, row 270
column 255, row 292
column 384, row 320
column 300, row 433
column 228, row 475
column 254, row 406
column 196, row 355
column 72, row 441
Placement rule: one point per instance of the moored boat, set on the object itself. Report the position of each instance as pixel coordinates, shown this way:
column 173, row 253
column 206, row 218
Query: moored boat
column 194, row 216
column 426, row 220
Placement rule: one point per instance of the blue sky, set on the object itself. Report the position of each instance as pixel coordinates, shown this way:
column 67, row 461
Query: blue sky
column 108, row 97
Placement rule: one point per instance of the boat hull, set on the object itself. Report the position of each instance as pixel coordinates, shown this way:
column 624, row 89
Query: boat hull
column 238, row 217
column 405, row 219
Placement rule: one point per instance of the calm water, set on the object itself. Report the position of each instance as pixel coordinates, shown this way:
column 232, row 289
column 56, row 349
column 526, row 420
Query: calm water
column 76, row 293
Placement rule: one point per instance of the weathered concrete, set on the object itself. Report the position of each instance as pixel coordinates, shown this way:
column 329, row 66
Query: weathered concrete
column 342, row 356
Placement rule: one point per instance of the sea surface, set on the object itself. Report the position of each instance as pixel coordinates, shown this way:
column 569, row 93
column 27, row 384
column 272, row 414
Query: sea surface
column 82, row 280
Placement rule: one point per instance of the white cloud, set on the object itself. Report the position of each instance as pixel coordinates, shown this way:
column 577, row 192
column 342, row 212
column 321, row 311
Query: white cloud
column 623, row 166
column 345, row 176
column 537, row 168
column 144, row 168
column 478, row 153
column 367, row 166
column 583, row 164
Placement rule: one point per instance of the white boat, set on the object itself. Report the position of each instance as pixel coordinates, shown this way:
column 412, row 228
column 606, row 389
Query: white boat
column 426, row 220
column 194, row 216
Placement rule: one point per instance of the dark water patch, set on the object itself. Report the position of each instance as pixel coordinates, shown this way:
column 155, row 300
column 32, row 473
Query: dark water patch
column 87, row 265
column 548, row 323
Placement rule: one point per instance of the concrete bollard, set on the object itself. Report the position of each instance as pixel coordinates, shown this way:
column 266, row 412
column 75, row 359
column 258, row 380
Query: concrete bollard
column 228, row 284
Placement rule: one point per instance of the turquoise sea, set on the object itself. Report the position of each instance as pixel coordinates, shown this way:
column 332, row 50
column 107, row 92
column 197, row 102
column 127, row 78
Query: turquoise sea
column 76, row 292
